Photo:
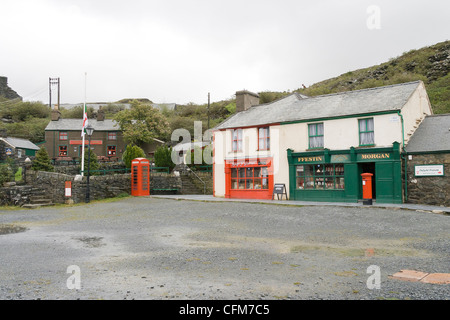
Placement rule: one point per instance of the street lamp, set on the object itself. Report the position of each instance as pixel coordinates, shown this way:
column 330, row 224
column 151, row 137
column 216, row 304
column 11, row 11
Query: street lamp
column 89, row 131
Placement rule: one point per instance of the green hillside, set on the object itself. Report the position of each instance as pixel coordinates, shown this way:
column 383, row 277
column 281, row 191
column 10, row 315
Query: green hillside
column 430, row 64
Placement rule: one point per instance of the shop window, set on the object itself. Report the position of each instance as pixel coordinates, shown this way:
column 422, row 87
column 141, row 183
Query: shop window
column 237, row 140
column 63, row 135
column 320, row 177
column 366, row 132
column 264, row 138
column 315, row 132
column 63, row 151
column 111, row 151
column 250, row 178
column 112, row 135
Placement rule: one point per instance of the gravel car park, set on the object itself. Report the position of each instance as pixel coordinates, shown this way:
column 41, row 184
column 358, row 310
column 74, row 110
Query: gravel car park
column 154, row 248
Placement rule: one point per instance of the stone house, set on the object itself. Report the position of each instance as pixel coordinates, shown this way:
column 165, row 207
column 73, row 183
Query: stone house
column 427, row 162
column 63, row 138
column 16, row 148
column 318, row 147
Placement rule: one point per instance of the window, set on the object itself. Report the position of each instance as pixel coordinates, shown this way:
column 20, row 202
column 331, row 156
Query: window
column 62, row 151
column 315, row 131
column 111, row 151
column 366, row 132
column 320, row 177
column 63, row 136
column 264, row 138
column 112, row 135
column 237, row 140
column 250, row 178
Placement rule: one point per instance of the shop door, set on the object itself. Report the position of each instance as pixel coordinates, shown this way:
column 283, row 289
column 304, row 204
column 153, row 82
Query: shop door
column 385, row 181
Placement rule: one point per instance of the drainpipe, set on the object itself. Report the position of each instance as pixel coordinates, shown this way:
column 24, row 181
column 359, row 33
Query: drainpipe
column 404, row 155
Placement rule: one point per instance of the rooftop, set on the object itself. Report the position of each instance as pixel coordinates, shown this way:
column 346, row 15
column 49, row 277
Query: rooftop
column 77, row 124
column 433, row 134
column 20, row 143
column 297, row 108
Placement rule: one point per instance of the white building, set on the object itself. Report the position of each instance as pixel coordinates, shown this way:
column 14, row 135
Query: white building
column 318, row 146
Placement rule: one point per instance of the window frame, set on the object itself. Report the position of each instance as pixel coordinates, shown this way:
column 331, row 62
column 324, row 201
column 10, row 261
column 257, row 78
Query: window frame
column 112, row 134
column 316, row 135
column 265, row 138
column 63, row 136
column 324, row 176
column 110, row 147
column 66, row 151
column 262, row 178
column 366, row 131
column 238, row 140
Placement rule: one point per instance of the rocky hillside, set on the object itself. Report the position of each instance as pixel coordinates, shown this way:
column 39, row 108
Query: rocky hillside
column 430, row 64
column 6, row 92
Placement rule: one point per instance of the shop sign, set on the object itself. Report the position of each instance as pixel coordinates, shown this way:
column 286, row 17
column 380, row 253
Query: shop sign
column 8, row 151
column 374, row 156
column 340, row 158
column 429, row 170
column 248, row 163
column 310, row 159
column 279, row 189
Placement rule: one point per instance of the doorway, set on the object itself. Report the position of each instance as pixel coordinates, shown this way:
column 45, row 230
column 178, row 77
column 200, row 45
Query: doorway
column 367, row 167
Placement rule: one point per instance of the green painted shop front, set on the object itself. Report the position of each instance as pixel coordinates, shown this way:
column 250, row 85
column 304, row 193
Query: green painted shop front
column 335, row 175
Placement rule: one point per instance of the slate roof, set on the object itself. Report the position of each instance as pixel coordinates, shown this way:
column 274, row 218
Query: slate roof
column 77, row 124
column 433, row 134
column 295, row 108
column 20, row 143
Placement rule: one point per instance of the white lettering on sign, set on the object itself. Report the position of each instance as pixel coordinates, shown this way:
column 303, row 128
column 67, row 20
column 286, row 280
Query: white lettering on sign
column 429, row 170
column 394, row 119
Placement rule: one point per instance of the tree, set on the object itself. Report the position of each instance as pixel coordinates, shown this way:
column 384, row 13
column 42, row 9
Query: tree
column 6, row 174
column 42, row 161
column 132, row 152
column 163, row 157
column 93, row 165
column 142, row 123
column 201, row 155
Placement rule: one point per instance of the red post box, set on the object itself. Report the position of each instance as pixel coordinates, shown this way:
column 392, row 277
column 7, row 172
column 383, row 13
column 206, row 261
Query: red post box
column 140, row 177
column 367, row 187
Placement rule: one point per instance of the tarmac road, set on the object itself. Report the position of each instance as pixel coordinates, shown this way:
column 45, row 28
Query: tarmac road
column 153, row 248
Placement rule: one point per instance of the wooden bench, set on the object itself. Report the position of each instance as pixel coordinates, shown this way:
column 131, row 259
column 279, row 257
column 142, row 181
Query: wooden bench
column 170, row 190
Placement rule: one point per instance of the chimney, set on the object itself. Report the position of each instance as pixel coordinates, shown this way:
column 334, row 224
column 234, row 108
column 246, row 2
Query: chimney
column 245, row 99
column 56, row 115
column 100, row 114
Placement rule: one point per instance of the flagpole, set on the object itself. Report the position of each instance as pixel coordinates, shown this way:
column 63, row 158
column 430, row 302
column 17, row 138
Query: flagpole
column 82, row 129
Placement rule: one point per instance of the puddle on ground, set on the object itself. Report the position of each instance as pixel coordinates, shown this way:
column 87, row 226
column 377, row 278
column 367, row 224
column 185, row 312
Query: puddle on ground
column 92, row 242
column 11, row 228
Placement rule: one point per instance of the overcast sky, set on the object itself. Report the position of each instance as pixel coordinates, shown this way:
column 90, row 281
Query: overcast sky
column 176, row 51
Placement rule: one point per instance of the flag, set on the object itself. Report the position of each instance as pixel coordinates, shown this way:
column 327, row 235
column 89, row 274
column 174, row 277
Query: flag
column 85, row 121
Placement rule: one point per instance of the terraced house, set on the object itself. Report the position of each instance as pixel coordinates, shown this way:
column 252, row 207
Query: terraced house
column 318, row 147
column 63, row 139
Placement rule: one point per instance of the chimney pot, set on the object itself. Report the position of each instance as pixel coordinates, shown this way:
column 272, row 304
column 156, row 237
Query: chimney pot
column 246, row 99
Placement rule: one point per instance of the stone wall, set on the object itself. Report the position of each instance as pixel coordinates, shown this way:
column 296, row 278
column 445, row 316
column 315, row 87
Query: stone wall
column 161, row 180
column 207, row 178
column 429, row 190
column 100, row 187
column 16, row 195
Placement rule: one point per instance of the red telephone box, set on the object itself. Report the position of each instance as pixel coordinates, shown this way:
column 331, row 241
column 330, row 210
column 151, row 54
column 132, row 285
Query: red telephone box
column 140, row 177
column 367, row 187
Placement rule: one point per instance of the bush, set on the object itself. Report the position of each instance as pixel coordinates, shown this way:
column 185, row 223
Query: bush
column 163, row 157
column 6, row 174
column 42, row 161
column 205, row 158
column 93, row 165
column 132, row 152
